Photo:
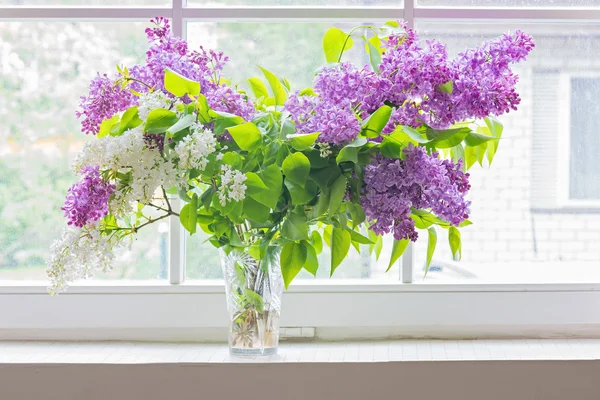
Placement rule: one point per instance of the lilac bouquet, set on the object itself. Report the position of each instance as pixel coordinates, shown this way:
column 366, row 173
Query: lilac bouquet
column 367, row 151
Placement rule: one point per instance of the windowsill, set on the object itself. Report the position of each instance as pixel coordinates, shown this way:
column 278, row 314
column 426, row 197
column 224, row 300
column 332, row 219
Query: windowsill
column 452, row 370
column 46, row 353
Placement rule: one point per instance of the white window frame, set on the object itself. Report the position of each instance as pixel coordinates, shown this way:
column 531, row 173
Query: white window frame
column 189, row 311
column 564, row 142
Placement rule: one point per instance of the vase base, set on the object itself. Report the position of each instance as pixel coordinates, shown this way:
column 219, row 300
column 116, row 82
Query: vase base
column 246, row 352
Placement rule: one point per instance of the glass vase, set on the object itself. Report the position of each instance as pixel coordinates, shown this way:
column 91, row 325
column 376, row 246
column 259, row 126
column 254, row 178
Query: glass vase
column 254, row 289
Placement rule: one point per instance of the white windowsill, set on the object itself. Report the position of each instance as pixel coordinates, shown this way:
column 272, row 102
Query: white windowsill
column 303, row 352
column 449, row 370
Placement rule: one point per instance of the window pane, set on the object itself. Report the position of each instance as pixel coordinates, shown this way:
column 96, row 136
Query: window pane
column 251, row 44
column 44, row 68
column 584, row 146
column 525, row 229
column 508, row 3
column 78, row 3
column 398, row 3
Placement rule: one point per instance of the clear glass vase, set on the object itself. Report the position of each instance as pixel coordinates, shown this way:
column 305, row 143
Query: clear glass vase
column 254, row 288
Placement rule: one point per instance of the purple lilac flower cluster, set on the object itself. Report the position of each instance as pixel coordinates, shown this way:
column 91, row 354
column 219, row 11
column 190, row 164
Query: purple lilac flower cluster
column 342, row 92
column 105, row 99
column 410, row 77
column 166, row 51
column 421, row 181
column 87, row 200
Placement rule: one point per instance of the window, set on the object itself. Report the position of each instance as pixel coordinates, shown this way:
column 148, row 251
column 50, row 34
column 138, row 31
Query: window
column 584, row 146
column 530, row 261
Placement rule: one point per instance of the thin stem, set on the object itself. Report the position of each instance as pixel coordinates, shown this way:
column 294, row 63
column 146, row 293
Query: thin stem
column 151, row 221
column 162, row 209
column 167, row 199
column 138, row 81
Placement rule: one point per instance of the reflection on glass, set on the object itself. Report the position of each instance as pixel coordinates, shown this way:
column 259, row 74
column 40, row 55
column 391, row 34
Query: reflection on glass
column 527, row 224
column 44, row 68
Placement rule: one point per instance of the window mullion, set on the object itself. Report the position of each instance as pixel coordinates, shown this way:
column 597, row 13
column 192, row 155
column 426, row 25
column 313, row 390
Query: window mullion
column 409, row 13
column 178, row 17
column 176, row 247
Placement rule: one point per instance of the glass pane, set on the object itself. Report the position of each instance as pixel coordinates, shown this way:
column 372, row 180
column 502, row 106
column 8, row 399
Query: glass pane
column 202, row 262
column 251, row 44
column 355, row 3
column 525, row 228
column 584, row 146
column 508, row 3
column 79, row 3
column 44, row 68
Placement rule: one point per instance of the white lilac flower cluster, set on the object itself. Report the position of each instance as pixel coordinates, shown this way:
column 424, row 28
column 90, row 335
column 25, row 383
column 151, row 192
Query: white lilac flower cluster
column 194, row 149
column 151, row 101
column 128, row 152
column 77, row 254
column 232, row 185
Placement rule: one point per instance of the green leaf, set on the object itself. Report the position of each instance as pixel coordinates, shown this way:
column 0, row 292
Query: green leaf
column 340, row 244
column 203, row 109
column 327, row 234
column 447, row 87
column 406, row 134
column 129, row 120
column 335, row 43
column 293, row 258
column 302, row 141
column 258, row 87
column 475, row 139
column 397, row 251
column 431, row 242
column 466, row 222
column 276, row 86
column 188, row 216
column 312, row 262
column 317, row 241
column 247, row 136
column 302, row 195
column 350, row 151
column 295, row 227
column 358, row 238
column 357, row 213
column 336, row 195
column 296, row 168
column 108, row 126
column 378, row 247
column 160, row 120
column 470, row 156
column 179, row 85
column 495, row 128
column 390, row 149
column 458, row 153
column 256, row 211
column 481, row 150
column 455, row 243
column 443, row 139
column 271, row 176
column 307, row 92
column 373, row 125
column 180, row 125
column 255, row 300
column 254, row 184
column 373, row 48
column 233, row 159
